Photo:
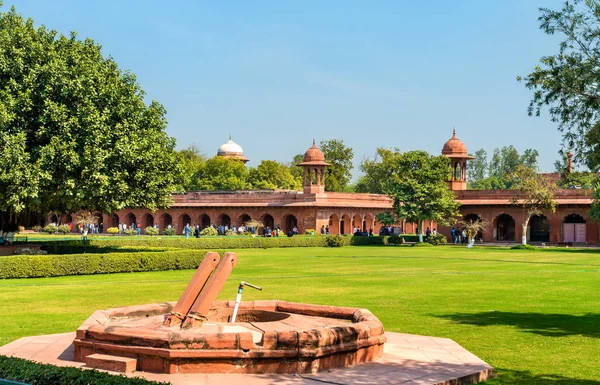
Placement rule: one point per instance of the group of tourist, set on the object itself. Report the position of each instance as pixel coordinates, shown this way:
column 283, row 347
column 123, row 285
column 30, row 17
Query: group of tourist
column 88, row 228
column 135, row 226
column 463, row 236
column 362, row 233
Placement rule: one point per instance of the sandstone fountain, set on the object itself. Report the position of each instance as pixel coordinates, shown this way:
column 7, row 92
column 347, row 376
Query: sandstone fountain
column 196, row 335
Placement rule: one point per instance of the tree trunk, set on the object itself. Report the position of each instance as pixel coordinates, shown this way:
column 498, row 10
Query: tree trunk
column 421, row 231
column 524, row 229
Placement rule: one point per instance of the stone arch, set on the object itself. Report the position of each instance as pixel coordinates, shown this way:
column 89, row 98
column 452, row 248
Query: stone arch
column 457, row 171
column 224, row 220
column 357, row 222
column 69, row 219
column 268, row 221
column 99, row 218
column 289, row 222
column 334, row 224
column 574, row 218
column 115, row 221
column 244, row 218
column 204, row 221
column 54, row 218
column 345, row 224
column 184, row 219
column 166, row 220
column 472, row 217
column 538, row 229
column 369, row 223
column 148, row 220
column 504, row 228
column 574, row 228
column 130, row 219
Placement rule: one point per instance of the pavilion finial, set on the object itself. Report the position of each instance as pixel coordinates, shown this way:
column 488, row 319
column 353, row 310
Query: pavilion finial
column 454, row 132
column 229, row 136
column 314, row 142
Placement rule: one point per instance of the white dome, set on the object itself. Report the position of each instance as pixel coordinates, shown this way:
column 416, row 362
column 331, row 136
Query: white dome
column 230, row 148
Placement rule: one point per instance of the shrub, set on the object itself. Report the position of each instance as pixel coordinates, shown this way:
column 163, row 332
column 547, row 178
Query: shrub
column 18, row 369
column 247, row 233
column 524, row 247
column 63, row 229
column 50, row 229
column 335, row 241
column 231, row 233
column 130, row 231
column 30, row 266
column 37, row 229
column 20, row 229
column 151, row 230
column 437, row 239
column 112, row 230
column 169, row 231
column 395, row 239
column 310, row 232
column 209, row 231
column 422, row 244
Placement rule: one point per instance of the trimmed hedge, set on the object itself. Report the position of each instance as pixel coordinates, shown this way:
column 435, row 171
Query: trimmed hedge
column 18, row 369
column 31, row 266
column 221, row 243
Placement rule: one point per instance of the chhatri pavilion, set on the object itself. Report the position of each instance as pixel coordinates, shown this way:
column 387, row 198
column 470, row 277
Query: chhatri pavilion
column 313, row 207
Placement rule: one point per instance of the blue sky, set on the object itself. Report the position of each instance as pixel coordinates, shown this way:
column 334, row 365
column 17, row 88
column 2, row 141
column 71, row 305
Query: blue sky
column 275, row 74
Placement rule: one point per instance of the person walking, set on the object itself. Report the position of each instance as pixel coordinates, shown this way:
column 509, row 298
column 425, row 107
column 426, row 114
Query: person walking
column 187, row 230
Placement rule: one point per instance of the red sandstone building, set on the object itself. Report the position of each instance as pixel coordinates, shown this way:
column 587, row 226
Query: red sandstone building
column 313, row 208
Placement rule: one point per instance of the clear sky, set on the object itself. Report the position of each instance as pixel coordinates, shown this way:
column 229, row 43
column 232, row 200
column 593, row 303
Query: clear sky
column 275, row 74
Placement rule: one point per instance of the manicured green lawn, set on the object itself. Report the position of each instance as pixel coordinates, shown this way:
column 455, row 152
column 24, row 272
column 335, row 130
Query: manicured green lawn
column 535, row 316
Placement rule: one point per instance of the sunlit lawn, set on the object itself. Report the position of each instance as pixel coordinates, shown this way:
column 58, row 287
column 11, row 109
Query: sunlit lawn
column 535, row 316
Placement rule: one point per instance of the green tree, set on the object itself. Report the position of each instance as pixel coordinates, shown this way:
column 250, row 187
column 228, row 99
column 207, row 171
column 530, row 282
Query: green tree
column 567, row 81
column 80, row 134
column 191, row 160
column 340, row 157
column 377, row 172
column 273, row 175
column 297, row 171
column 220, row 173
column 533, row 193
column 477, row 168
column 419, row 188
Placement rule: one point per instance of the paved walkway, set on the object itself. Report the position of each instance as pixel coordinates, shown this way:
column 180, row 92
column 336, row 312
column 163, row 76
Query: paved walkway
column 408, row 360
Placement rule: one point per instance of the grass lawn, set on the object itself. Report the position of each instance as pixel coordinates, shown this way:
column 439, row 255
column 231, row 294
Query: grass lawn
column 533, row 315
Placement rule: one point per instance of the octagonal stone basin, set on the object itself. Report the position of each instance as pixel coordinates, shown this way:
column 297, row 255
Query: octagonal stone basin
column 268, row 337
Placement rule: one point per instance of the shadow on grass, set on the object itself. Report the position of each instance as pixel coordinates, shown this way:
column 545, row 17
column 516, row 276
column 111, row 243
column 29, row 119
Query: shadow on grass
column 521, row 377
column 550, row 325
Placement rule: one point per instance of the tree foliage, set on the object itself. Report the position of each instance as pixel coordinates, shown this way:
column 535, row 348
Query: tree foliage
column 220, row 173
column 377, row 172
column 418, row 186
column 273, row 175
column 568, row 82
column 533, row 193
column 340, row 157
column 190, row 160
column 497, row 173
column 75, row 131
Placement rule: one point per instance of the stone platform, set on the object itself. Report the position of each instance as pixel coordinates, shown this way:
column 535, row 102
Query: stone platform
column 407, row 359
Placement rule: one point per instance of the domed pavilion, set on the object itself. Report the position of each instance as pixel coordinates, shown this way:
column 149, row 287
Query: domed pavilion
column 456, row 150
column 232, row 150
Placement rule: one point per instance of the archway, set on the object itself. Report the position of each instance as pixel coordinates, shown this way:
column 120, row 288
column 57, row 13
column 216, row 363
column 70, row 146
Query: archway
column 167, row 221
column 574, row 228
column 368, row 223
column 224, row 220
column 505, row 228
column 149, row 220
column 473, row 218
column 290, row 222
column 130, row 220
column 346, row 224
column 539, row 229
column 334, row 224
column 115, row 221
column 267, row 221
column 184, row 220
column 54, row 219
column 68, row 219
column 244, row 218
column 204, row 221
column 357, row 222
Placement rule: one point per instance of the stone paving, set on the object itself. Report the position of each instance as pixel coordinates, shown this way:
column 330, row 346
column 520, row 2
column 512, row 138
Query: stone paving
column 408, row 359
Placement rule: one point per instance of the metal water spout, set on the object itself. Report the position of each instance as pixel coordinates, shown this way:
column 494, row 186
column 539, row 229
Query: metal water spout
column 238, row 298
